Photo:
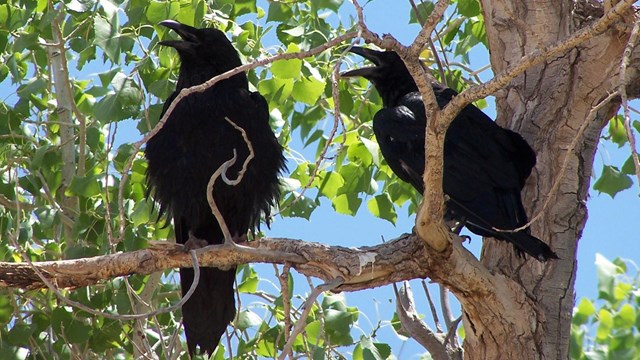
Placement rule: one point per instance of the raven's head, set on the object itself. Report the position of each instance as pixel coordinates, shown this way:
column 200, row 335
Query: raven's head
column 202, row 48
column 389, row 75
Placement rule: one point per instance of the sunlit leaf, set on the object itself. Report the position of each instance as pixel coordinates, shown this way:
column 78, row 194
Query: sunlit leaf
column 382, row 207
column 612, row 181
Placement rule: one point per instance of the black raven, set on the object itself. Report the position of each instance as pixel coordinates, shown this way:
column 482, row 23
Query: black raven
column 485, row 165
column 194, row 142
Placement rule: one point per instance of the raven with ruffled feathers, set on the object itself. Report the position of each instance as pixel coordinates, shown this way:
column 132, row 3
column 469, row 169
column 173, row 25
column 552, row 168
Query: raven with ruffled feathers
column 193, row 143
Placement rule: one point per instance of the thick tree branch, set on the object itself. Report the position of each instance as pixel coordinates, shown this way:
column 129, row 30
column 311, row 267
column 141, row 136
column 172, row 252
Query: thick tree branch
column 361, row 268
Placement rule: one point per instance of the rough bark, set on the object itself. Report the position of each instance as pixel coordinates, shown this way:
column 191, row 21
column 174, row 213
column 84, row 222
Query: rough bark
column 547, row 104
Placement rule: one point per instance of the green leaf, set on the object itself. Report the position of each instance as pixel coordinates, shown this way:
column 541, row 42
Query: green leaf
column 20, row 334
column 598, row 354
column 397, row 327
column 607, row 272
column 241, row 7
column 425, row 8
column 141, row 213
column 356, row 179
column 279, row 12
column 617, row 132
column 382, row 207
column 347, row 204
column 107, row 36
column 34, row 85
column 621, row 291
column 288, row 69
column 368, row 350
column 121, row 103
column 575, row 344
column 329, row 183
column 86, row 186
column 60, row 319
column 249, row 282
column 628, row 168
column 469, row 8
column 612, row 181
column 77, row 332
column 338, row 326
column 626, row 317
column 583, row 311
column 247, row 319
column 308, row 90
column 277, row 90
column 314, row 333
column 605, row 325
column 296, row 205
column 6, row 309
column 333, row 5
column 374, row 149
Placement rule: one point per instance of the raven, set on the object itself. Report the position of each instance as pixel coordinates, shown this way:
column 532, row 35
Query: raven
column 195, row 141
column 485, row 165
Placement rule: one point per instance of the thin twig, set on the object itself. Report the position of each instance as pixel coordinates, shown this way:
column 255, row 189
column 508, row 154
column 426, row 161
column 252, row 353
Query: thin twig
column 283, row 278
column 308, row 304
column 212, row 203
column 445, row 305
column 432, row 46
column 245, row 164
column 221, row 171
column 432, row 307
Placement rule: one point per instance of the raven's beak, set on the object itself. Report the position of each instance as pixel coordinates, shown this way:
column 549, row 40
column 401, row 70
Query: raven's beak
column 186, row 32
column 371, row 55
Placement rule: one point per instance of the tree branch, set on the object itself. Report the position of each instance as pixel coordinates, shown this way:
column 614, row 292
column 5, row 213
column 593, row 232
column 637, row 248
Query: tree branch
column 434, row 342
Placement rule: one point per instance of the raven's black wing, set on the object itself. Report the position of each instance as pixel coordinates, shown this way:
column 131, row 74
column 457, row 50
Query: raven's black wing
column 401, row 139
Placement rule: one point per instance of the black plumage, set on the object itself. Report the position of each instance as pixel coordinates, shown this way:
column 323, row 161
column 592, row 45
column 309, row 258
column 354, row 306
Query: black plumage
column 194, row 142
column 485, row 165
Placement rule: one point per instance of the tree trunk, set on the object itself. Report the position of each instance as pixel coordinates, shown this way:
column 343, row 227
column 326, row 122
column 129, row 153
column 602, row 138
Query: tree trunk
column 547, row 104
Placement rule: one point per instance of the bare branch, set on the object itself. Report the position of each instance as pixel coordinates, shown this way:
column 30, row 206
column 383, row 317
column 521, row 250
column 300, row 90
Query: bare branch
column 427, row 28
column 434, row 342
column 432, row 306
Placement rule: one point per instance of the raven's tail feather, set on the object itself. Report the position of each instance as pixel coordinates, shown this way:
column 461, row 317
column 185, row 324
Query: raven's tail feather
column 530, row 244
column 210, row 308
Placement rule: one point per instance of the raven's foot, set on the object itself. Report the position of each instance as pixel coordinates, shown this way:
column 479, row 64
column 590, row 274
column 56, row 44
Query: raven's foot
column 235, row 239
column 194, row 243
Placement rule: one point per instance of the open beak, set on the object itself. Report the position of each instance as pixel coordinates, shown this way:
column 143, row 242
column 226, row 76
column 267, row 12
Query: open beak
column 186, row 32
column 371, row 55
